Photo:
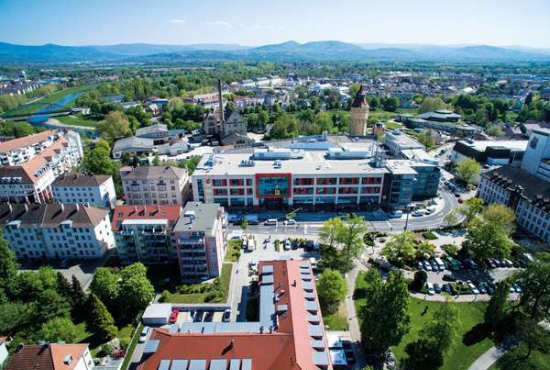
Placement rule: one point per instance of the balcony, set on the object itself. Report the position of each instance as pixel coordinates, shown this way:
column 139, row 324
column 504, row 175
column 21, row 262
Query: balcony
column 125, row 232
column 189, row 241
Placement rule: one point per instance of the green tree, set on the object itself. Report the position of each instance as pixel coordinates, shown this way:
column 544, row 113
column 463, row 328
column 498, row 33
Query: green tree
column 420, row 279
column 385, row 317
column 496, row 309
column 468, row 170
column 78, row 297
column 488, row 239
column 328, row 233
column 535, row 285
column 136, row 291
column 59, row 329
column 401, row 246
column 99, row 320
column 470, row 210
column 430, row 104
column 115, row 126
column 8, row 265
column 425, row 139
column 443, row 328
column 495, row 131
column 52, row 305
column 501, row 215
column 105, row 286
column 244, row 223
column 332, row 289
column 350, row 237
column 63, row 286
column 14, row 316
column 423, row 355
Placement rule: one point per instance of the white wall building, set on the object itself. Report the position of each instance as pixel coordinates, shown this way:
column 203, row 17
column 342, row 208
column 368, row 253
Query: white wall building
column 96, row 190
column 160, row 185
column 37, row 231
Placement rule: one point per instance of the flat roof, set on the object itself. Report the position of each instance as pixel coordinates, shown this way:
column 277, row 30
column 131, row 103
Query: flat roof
column 482, row 145
column 197, row 217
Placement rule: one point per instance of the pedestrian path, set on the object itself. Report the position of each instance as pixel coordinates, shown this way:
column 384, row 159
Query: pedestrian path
column 486, row 360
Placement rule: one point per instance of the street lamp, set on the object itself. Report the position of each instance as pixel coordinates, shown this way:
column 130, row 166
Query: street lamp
column 408, row 209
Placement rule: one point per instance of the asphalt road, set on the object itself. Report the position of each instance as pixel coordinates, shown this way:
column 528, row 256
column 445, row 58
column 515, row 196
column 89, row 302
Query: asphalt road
column 309, row 224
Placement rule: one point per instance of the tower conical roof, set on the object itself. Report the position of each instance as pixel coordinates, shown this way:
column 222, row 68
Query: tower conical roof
column 360, row 99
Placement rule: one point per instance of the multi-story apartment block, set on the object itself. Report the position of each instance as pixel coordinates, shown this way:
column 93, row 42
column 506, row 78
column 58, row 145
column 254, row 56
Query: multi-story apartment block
column 144, row 233
column 52, row 356
column 200, row 240
column 160, row 185
column 97, row 190
column 30, row 164
column 337, row 179
column 525, row 189
column 288, row 335
column 39, row 231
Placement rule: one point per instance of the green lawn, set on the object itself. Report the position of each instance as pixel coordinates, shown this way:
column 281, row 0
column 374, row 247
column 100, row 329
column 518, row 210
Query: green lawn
column 131, row 348
column 412, row 111
column 77, row 121
column 32, row 107
column 538, row 360
column 338, row 321
column 393, row 125
column 461, row 355
column 205, row 296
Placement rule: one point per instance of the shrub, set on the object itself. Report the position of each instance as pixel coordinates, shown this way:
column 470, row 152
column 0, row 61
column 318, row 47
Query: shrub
column 450, row 249
column 428, row 235
column 420, row 278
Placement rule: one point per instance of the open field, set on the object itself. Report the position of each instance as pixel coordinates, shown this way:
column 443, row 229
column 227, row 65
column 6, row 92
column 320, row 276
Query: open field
column 77, row 121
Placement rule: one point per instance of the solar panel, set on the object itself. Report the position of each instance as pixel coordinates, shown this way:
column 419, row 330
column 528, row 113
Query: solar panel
column 151, row 346
column 247, row 364
column 164, row 365
column 218, row 364
column 235, row 364
column 197, row 365
column 310, row 305
column 267, row 269
column 267, row 279
column 179, row 365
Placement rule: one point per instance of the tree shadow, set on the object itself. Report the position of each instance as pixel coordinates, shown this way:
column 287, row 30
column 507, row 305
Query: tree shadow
column 477, row 334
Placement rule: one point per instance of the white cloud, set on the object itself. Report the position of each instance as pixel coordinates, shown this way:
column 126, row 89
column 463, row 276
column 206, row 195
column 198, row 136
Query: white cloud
column 267, row 27
column 175, row 20
column 220, row 23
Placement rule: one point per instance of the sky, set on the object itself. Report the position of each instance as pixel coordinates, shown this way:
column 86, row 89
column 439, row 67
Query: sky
column 260, row 22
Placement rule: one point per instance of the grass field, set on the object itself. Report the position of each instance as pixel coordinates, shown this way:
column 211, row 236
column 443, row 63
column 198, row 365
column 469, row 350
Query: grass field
column 233, row 251
column 514, row 360
column 77, row 121
column 225, row 279
column 338, row 321
column 393, row 125
column 55, row 97
column 467, row 347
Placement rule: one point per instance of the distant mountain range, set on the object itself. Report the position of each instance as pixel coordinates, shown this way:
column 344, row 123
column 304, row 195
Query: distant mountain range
column 287, row 51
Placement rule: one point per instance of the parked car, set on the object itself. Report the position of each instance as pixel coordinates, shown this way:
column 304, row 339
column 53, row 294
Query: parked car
column 434, row 264
column 440, row 263
column 173, row 317
column 419, row 265
column 447, row 288
column 290, row 221
column 427, row 266
column 490, row 289
column 198, row 316
column 419, row 213
column 508, row 263
column 490, row 263
column 143, row 335
column 472, row 287
column 481, row 288
column 226, row 316
column 448, row 277
column 395, row 214
column 470, row 264
column 287, row 245
column 498, row 262
column 430, row 288
column 437, row 288
column 271, row 222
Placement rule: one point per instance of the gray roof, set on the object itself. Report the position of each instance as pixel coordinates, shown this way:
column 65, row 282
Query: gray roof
column 205, row 215
column 159, row 127
column 80, row 180
column 133, row 143
column 155, row 172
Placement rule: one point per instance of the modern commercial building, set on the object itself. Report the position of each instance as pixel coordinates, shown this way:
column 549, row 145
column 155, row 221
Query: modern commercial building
column 491, row 152
column 525, row 189
column 96, row 190
column 160, row 185
column 52, row 356
column 200, row 239
column 144, row 233
column 40, row 231
column 334, row 179
column 397, row 141
column 289, row 334
column 359, row 114
column 442, row 120
column 30, row 164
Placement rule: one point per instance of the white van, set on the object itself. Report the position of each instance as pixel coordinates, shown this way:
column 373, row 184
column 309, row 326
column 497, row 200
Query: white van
column 440, row 263
column 143, row 335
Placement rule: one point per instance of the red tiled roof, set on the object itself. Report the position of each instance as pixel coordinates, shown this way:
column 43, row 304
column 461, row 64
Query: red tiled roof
column 46, row 357
column 288, row 347
column 25, row 141
column 151, row 212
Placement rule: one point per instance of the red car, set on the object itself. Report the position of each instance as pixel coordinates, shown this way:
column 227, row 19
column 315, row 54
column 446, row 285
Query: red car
column 460, row 200
column 173, row 317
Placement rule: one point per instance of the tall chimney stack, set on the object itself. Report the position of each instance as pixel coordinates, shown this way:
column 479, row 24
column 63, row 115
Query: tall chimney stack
column 220, row 102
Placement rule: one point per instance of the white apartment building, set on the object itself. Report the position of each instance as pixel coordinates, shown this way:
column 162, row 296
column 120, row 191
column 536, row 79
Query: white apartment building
column 39, row 231
column 96, row 190
column 160, row 185
column 30, row 164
